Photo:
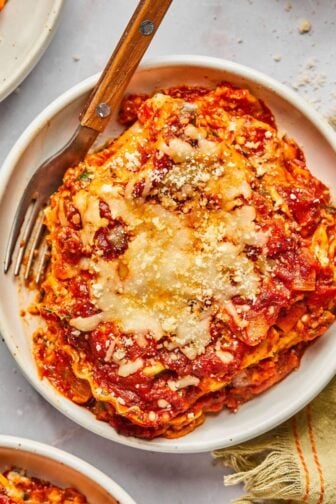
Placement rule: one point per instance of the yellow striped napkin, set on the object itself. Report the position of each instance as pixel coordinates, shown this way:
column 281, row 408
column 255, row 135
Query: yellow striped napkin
column 295, row 462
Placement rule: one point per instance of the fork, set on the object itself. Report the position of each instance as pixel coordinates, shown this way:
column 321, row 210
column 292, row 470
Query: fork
column 28, row 225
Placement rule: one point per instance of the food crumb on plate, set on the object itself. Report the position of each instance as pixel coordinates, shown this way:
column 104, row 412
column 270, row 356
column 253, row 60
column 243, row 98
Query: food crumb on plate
column 332, row 121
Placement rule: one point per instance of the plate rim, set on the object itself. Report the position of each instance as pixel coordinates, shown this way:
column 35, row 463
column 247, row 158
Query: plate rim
column 36, row 52
column 168, row 446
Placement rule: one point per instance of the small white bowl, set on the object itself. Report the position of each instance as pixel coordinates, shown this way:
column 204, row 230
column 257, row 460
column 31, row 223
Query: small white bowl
column 53, row 127
column 61, row 469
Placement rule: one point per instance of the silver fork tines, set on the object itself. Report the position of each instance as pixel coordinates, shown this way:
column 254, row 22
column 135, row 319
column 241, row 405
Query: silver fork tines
column 29, row 215
column 43, row 261
column 39, row 233
column 30, row 224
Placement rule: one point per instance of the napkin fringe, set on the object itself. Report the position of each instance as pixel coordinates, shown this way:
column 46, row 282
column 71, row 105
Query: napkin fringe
column 267, row 468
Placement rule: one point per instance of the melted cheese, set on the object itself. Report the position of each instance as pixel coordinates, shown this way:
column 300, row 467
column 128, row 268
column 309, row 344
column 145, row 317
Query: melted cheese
column 86, row 323
column 169, row 264
column 186, row 381
column 174, row 260
column 88, row 207
column 130, row 367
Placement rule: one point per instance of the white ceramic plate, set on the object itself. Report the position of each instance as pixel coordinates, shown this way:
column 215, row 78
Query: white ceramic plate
column 61, row 469
column 54, row 126
column 26, row 28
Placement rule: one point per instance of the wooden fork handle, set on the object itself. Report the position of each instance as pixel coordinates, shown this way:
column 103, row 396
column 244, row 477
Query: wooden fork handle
column 132, row 45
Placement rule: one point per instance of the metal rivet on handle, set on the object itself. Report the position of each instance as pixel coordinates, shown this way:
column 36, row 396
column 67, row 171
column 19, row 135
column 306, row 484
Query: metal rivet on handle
column 103, row 110
column 147, row 27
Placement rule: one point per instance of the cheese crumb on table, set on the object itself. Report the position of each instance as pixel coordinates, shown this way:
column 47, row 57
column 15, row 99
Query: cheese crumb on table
column 305, row 26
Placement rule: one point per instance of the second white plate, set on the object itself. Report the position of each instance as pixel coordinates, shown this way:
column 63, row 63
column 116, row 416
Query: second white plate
column 26, row 29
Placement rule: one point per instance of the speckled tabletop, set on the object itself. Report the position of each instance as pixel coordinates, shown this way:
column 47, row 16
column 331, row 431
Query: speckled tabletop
column 264, row 34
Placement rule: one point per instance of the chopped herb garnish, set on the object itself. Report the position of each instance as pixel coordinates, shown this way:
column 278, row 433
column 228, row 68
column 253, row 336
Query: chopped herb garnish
column 60, row 315
column 85, row 176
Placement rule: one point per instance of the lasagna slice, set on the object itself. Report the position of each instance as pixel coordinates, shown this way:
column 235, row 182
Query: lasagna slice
column 192, row 263
column 18, row 488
